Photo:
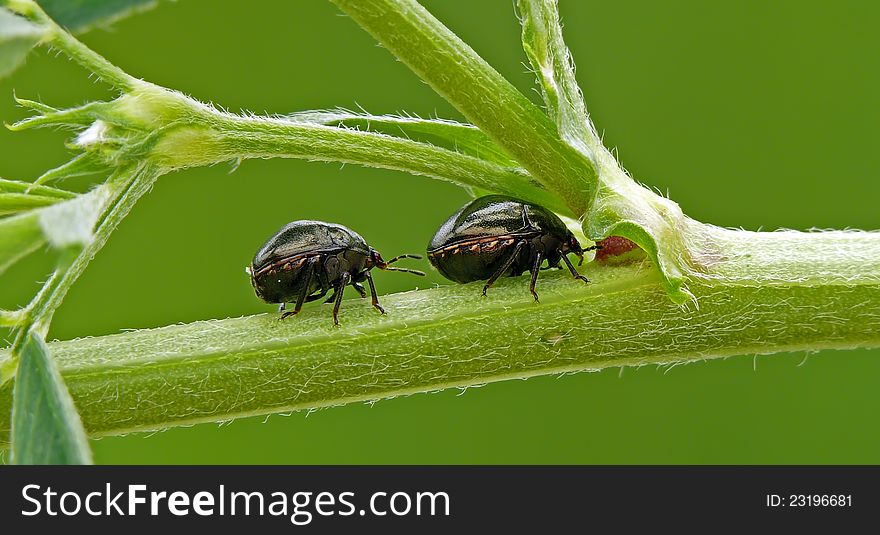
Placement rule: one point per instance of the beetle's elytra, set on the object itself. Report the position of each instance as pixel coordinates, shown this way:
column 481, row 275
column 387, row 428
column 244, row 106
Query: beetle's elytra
column 496, row 235
column 306, row 259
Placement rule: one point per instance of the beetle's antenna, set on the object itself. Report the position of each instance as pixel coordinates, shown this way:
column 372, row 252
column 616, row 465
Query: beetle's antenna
column 401, row 256
column 584, row 250
column 384, row 265
column 405, row 270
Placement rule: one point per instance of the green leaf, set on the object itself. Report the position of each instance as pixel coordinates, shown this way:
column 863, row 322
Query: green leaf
column 82, row 15
column 459, row 137
column 11, row 203
column 465, row 138
column 46, row 428
column 63, row 225
column 17, row 186
column 78, row 229
column 17, row 37
column 20, row 235
column 18, row 196
column 71, row 223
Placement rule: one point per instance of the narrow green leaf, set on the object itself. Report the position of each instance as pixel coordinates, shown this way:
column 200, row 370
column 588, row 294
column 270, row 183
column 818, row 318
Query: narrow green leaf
column 72, row 222
column 63, row 225
column 11, row 203
column 20, row 235
column 78, row 118
column 33, row 104
column 46, row 428
column 462, row 137
column 81, row 165
column 78, row 229
column 17, row 37
column 16, row 186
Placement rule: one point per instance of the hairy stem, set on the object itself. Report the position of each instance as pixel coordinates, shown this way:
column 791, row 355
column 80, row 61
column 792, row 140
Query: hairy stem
column 123, row 190
column 60, row 38
column 455, row 71
column 211, row 137
column 171, row 131
column 758, row 293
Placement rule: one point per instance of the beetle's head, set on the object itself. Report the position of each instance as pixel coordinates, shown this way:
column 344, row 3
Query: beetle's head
column 376, row 260
column 574, row 246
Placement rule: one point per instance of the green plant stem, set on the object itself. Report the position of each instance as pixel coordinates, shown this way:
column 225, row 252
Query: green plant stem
column 172, row 131
column 477, row 90
column 77, row 51
column 125, row 187
column 213, row 137
column 758, row 293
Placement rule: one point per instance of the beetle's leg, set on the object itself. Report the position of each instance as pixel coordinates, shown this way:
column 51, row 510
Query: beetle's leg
column 310, row 273
column 571, row 268
column 584, row 250
column 507, row 263
column 536, row 267
column 360, row 289
column 343, row 281
column 317, row 296
column 326, row 287
column 325, row 284
column 373, row 297
column 552, row 261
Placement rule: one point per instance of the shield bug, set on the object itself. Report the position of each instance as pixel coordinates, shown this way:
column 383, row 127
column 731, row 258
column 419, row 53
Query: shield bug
column 306, row 259
column 497, row 235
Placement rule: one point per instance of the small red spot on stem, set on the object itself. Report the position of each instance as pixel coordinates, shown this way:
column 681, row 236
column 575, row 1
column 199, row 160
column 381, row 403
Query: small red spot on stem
column 613, row 247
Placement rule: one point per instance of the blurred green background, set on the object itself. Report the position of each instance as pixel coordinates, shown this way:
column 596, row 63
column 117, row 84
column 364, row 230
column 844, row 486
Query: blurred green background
column 751, row 114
